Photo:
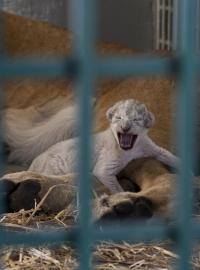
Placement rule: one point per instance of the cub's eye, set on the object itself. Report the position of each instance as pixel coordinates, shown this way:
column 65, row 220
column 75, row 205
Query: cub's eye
column 118, row 117
column 137, row 119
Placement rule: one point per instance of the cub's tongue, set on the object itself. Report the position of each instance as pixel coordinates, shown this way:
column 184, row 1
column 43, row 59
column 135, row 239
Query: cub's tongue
column 126, row 141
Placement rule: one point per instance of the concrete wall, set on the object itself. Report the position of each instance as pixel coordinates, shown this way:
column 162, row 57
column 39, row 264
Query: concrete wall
column 128, row 22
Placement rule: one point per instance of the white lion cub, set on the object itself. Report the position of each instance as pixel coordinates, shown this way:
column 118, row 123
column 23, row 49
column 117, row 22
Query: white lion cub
column 126, row 139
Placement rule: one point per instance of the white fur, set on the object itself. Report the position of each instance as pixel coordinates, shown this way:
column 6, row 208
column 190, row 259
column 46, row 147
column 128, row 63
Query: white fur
column 108, row 158
column 29, row 132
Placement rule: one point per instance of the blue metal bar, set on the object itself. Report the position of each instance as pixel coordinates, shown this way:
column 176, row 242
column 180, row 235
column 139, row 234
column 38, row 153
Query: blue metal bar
column 35, row 67
column 83, row 25
column 185, row 125
column 142, row 232
column 2, row 199
column 137, row 65
column 130, row 233
column 134, row 232
column 2, row 191
column 126, row 233
column 109, row 66
column 54, row 67
column 9, row 237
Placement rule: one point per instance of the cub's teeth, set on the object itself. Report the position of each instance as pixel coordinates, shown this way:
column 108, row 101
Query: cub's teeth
column 126, row 141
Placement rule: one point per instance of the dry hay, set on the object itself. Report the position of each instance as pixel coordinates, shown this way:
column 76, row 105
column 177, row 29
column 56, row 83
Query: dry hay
column 106, row 255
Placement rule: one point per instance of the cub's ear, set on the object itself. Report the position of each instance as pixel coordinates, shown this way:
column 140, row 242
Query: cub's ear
column 149, row 119
column 110, row 112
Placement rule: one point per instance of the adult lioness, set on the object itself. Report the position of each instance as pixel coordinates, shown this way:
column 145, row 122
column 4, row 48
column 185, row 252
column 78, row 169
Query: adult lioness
column 42, row 38
column 126, row 139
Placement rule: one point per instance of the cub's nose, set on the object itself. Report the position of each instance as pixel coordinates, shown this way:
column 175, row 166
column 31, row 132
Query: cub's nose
column 126, row 129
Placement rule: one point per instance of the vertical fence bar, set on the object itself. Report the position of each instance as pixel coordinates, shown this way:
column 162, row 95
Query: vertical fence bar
column 198, row 25
column 185, row 125
column 83, row 25
column 157, row 11
column 2, row 198
column 169, row 25
column 164, row 18
column 175, row 24
column 163, row 25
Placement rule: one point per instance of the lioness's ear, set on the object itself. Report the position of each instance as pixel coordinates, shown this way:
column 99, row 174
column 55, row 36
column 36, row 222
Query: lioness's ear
column 149, row 119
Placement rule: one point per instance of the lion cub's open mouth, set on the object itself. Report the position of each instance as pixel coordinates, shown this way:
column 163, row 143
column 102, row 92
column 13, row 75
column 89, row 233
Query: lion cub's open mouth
column 126, row 141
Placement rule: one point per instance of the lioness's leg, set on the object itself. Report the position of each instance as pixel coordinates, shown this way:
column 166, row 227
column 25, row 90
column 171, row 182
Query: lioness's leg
column 156, row 200
column 22, row 190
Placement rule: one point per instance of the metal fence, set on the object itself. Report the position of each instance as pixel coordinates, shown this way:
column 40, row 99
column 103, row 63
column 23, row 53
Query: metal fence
column 85, row 67
column 164, row 24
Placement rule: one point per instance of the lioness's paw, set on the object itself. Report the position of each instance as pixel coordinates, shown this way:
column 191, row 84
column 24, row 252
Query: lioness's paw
column 7, row 186
column 143, row 208
column 25, row 196
column 22, row 195
column 126, row 210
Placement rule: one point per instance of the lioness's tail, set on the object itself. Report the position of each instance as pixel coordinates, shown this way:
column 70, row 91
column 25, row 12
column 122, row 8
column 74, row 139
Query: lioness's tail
column 27, row 141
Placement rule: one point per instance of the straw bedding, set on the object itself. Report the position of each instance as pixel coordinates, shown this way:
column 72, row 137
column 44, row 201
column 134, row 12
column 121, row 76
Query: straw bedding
column 106, row 255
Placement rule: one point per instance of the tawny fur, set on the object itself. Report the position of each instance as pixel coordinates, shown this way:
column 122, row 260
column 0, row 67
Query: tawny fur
column 155, row 181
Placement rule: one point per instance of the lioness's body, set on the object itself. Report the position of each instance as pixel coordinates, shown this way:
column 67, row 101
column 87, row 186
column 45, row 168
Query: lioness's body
column 156, row 93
